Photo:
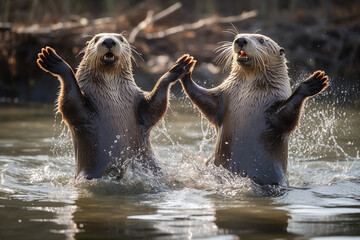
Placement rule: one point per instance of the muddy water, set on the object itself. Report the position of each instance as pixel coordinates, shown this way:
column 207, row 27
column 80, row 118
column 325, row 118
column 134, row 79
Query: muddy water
column 40, row 199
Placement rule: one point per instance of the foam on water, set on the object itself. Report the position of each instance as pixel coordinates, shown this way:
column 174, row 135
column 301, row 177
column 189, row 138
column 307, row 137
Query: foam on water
column 180, row 168
column 321, row 152
column 189, row 199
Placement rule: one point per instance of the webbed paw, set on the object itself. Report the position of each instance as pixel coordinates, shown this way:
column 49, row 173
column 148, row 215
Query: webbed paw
column 182, row 66
column 315, row 84
column 50, row 62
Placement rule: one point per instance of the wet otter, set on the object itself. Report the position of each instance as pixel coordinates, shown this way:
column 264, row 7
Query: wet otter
column 108, row 115
column 253, row 110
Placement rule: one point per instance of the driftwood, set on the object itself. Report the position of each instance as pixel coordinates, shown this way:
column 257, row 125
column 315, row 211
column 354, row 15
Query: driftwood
column 201, row 23
column 63, row 26
column 5, row 27
column 330, row 45
column 151, row 18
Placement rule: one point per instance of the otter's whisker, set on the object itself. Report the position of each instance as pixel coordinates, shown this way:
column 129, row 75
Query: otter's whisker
column 82, row 51
column 221, row 49
column 223, row 44
column 232, row 30
column 124, row 33
column 225, row 57
column 256, row 31
column 135, row 52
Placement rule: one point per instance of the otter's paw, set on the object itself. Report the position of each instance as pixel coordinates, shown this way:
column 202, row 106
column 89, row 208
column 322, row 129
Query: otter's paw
column 315, row 84
column 182, row 66
column 50, row 62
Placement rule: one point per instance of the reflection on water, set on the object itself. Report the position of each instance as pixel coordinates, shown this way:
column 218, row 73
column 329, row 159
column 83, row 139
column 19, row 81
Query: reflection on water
column 40, row 199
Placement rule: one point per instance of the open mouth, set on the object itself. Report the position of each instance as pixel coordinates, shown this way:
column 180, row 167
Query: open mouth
column 242, row 57
column 109, row 58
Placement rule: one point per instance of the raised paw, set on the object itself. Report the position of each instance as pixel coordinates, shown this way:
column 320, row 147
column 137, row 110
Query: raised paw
column 50, row 62
column 182, row 66
column 315, row 84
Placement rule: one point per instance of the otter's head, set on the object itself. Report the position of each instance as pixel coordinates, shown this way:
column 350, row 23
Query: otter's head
column 253, row 54
column 107, row 53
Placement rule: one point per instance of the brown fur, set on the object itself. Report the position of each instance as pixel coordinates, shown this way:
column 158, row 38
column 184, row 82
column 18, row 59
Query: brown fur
column 108, row 115
column 253, row 110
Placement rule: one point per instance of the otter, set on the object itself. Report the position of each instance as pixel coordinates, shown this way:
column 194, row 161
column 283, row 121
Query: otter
column 253, row 109
column 108, row 115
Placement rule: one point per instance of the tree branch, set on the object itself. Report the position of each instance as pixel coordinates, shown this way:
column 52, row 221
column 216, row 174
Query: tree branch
column 201, row 23
column 151, row 18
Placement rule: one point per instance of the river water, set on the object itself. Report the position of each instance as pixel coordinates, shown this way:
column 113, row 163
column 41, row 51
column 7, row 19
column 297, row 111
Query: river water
column 40, row 199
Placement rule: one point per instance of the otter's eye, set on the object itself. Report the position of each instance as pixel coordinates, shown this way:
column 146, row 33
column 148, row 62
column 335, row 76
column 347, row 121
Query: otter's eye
column 261, row 40
column 121, row 38
column 96, row 39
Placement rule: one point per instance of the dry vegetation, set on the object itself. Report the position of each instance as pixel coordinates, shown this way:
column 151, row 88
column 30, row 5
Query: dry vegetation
column 316, row 35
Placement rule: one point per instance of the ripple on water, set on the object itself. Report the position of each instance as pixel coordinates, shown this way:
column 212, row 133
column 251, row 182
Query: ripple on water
column 308, row 163
column 324, row 169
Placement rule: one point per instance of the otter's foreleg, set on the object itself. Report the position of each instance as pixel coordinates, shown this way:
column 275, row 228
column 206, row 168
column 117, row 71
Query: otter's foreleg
column 288, row 113
column 71, row 99
column 153, row 106
column 209, row 101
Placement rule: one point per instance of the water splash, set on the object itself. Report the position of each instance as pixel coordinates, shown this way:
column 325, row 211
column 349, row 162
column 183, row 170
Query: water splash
column 320, row 152
column 323, row 148
column 62, row 147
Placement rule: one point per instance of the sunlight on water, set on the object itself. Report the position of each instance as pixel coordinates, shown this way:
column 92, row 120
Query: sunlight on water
column 189, row 199
column 317, row 155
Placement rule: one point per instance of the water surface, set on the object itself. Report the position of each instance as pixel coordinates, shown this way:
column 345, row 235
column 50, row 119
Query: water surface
column 40, row 199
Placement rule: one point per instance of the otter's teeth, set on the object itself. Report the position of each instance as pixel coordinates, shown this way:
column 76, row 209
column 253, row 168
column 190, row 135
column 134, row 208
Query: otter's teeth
column 242, row 55
column 109, row 56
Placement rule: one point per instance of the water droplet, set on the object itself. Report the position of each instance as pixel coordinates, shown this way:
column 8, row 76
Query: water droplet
column 118, row 136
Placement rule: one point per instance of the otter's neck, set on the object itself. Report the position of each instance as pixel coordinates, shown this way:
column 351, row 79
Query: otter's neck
column 91, row 78
column 107, row 91
column 273, row 80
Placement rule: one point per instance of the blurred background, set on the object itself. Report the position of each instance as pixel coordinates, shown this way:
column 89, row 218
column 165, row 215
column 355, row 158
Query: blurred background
column 317, row 34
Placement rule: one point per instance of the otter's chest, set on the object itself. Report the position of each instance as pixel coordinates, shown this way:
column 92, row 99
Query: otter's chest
column 246, row 109
column 113, row 109
column 117, row 111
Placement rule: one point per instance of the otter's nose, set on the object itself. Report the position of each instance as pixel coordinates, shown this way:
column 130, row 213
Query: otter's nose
column 109, row 43
column 241, row 42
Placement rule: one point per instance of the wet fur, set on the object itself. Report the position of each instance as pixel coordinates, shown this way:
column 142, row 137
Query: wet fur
column 108, row 115
column 253, row 110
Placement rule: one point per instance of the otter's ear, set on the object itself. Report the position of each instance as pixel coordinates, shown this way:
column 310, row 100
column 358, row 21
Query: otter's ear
column 282, row 51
